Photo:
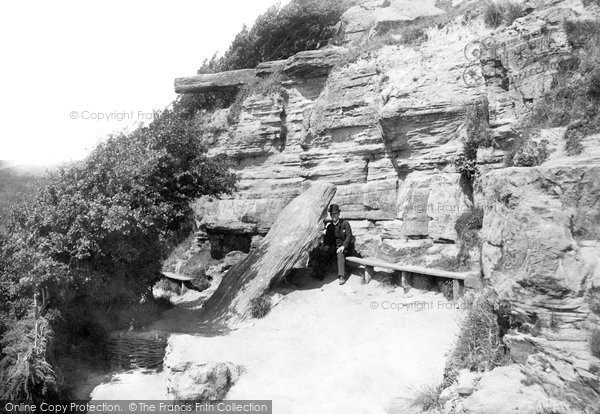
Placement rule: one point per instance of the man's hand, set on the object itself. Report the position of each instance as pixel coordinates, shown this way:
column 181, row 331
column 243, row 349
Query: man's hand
column 340, row 249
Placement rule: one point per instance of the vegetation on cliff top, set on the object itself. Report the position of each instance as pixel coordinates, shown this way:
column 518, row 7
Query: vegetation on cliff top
column 281, row 32
column 277, row 34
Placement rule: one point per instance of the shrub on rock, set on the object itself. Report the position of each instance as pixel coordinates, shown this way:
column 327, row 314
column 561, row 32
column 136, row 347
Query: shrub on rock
column 260, row 307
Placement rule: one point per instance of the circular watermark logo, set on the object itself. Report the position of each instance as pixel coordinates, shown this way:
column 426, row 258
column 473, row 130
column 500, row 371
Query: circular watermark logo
column 472, row 75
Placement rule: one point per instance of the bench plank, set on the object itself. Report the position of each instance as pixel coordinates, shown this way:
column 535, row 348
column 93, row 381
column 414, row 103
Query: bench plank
column 374, row 262
column 177, row 276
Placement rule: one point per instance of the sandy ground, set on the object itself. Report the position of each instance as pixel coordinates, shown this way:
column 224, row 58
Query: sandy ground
column 323, row 348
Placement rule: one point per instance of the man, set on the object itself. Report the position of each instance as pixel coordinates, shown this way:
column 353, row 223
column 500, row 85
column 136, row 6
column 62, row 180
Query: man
column 339, row 240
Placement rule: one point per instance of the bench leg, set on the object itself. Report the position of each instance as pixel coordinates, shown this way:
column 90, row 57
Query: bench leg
column 369, row 272
column 455, row 289
column 405, row 284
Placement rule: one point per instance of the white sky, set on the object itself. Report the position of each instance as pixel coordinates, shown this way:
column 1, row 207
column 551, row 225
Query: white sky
column 100, row 57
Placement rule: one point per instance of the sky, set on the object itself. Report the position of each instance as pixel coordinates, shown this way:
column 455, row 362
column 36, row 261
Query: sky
column 73, row 72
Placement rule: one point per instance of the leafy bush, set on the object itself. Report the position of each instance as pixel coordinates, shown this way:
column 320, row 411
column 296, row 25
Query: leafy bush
column 594, row 84
column 428, row 398
column 469, row 223
column 189, row 104
column 413, row 35
column 280, row 33
column 501, row 11
column 580, row 32
column 595, row 343
column 477, row 136
column 573, row 136
column 479, row 345
column 468, row 170
column 477, row 129
column 15, row 186
column 260, row 307
column 594, row 301
column 530, row 154
column 467, row 228
column 26, row 376
column 93, row 239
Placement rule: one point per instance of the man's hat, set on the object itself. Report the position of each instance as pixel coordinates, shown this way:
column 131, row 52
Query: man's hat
column 334, row 208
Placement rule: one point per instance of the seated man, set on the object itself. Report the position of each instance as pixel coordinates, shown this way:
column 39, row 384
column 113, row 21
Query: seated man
column 339, row 241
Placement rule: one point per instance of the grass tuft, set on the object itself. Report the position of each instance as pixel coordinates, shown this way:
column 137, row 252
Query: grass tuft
column 479, row 345
column 501, row 12
column 428, row 398
column 260, row 307
column 595, row 343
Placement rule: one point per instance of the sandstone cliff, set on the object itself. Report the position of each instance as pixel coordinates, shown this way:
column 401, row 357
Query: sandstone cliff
column 385, row 123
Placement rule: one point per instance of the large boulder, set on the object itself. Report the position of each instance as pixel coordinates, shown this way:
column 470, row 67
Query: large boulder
column 293, row 233
column 202, row 381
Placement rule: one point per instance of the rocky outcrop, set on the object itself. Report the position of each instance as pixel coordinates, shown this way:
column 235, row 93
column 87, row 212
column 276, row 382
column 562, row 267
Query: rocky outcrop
column 292, row 235
column 201, row 381
column 518, row 63
column 308, row 64
column 373, row 16
column 540, row 226
column 211, row 81
column 506, row 390
column 373, row 127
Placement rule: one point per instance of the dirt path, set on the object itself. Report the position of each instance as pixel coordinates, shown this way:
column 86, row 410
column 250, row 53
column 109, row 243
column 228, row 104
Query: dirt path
column 322, row 348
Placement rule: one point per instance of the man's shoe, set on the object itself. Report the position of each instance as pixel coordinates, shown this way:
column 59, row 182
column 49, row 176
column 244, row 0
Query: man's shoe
column 342, row 280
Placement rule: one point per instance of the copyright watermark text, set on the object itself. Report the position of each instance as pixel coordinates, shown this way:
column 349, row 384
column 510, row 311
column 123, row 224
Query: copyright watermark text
column 113, row 116
column 417, row 306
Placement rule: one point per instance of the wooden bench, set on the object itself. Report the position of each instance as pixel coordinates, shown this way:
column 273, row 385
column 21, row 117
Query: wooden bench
column 370, row 263
column 179, row 278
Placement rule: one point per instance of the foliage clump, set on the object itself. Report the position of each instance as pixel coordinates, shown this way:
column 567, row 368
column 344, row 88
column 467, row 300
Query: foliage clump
column 277, row 34
column 281, row 32
column 529, row 154
column 479, row 346
column 88, row 247
column 595, row 343
column 498, row 12
column 260, row 306
column 25, row 374
column 477, row 136
column 428, row 398
column 467, row 228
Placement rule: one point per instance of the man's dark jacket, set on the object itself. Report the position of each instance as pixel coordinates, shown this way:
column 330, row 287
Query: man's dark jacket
column 339, row 234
